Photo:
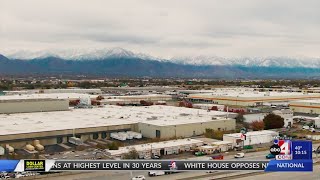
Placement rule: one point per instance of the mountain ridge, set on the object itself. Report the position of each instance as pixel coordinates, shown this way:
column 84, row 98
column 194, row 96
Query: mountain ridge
column 100, row 54
column 128, row 65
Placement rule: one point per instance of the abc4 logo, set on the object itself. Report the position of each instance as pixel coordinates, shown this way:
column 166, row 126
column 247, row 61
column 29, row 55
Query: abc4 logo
column 282, row 147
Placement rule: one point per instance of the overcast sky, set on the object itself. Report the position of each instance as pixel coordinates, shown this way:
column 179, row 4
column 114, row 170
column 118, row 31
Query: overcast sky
column 164, row 28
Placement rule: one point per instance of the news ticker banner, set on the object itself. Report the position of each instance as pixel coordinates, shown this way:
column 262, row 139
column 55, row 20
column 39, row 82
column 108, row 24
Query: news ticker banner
column 291, row 150
column 154, row 165
column 291, row 156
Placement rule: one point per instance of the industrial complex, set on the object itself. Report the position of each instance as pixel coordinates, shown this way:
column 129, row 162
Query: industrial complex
column 249, row 97
column 152, row 121
column 306, row 106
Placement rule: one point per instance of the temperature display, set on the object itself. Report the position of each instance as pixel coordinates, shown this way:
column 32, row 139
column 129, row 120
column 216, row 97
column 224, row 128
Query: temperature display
column 301, row 150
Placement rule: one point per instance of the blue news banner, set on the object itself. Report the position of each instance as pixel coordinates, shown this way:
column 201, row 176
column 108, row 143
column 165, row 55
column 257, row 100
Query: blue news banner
column 289, row 156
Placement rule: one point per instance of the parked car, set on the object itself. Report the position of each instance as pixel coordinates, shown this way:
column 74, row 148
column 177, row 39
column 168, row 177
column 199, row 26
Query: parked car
column 217, row 157
column 156, row 173
column 312, row 130
column 239, row 155
column 270, row 156
column 306, row 127
column 155, row 157
column 140, row 177
column 200, row 153
column 248, row 147
column 211, row 171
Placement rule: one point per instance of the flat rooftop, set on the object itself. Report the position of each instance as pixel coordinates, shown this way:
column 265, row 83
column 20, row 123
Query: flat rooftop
column 250, row 93
column 71, row 90
column 31, row 100
column 207, row 105
column 310, row 101
column 144, row 96
column 47, row 96
column 254, row 94
column 141, row 88
column 97, row 117
column 157, row 145
column 253, row 133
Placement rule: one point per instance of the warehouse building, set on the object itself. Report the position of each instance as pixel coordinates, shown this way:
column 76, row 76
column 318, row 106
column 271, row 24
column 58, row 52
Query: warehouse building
column 135, row 99
column 184, row 126
column 254, row 137
column 49, row 91
column 98, row 123
column 39, row 102
column 306, row 106
column 57, row 127
column 287, row 116
column 33, row 105
column 146, row 151
column 68, row 96
column 169, row 121
column 216, row 107
column 138, row 90
column 248, row 97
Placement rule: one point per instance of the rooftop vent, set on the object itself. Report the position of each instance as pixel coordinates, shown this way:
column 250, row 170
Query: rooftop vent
column 184, row 114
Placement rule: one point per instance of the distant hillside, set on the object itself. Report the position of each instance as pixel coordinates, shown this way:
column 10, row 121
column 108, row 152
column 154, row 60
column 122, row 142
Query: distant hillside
column 126, row 66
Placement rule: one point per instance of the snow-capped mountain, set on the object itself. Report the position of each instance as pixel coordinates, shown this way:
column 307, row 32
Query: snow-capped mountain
column 200, row 60
column 251, row 61
column 121, row 63
column 82, row 54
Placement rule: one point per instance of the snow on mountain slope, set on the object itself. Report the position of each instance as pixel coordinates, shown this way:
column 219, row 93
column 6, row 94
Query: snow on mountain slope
column 82, row 54
column 201, row 60
column 100, row 54
column 251, row 61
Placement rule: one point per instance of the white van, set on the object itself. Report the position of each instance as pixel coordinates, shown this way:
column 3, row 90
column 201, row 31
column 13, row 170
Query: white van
column 156, row 173
column 305, row 127
column 239, row 155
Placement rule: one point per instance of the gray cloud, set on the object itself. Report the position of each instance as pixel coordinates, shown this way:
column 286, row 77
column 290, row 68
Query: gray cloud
column 164, row 28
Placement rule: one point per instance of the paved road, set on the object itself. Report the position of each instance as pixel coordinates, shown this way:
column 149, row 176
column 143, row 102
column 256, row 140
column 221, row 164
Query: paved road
column 190, row 175
column 183, row 175
column 287, row 175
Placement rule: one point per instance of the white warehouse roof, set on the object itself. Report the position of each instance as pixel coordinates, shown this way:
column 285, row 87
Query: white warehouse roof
column 253, row 133
column 97, row 117
column 251, row 94
column 309, row 101
column 157, row 145
column 47, row 96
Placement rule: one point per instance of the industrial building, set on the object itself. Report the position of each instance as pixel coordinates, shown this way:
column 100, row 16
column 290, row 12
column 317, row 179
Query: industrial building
column 248, row 97
column 139, row 90
column 135, row 99
column 306, row 106
column 254, row 137
column 68, row 96
column 216, row 107
column 33, row 105
column 146, row 151
column 98, row 123
column 183, row 126
column 39, row 102
column 49, row 91
column 287, row 116
column 249, row 118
